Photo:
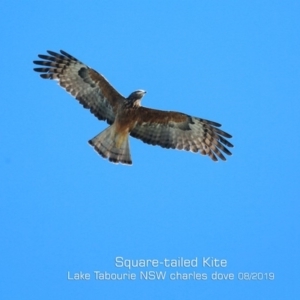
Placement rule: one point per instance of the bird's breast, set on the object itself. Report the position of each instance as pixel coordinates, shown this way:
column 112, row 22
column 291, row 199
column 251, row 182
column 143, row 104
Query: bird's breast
column 125, row 120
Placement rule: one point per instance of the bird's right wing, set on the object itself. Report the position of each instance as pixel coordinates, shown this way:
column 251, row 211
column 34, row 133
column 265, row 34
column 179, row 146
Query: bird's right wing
column 88, row 86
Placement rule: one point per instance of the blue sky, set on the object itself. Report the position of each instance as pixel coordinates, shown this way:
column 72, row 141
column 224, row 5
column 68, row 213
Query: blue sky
column 65, row 209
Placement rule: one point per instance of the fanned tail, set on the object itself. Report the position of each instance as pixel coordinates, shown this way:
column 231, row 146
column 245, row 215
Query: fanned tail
column 112, row 146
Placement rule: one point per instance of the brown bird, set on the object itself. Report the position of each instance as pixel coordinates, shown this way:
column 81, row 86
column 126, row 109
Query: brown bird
column 126, row 116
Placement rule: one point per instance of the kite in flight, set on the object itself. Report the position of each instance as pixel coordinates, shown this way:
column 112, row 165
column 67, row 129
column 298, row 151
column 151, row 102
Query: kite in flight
column 126, row 116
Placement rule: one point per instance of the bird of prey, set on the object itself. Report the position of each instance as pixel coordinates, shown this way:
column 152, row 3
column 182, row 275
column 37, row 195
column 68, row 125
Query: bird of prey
column 126, row 116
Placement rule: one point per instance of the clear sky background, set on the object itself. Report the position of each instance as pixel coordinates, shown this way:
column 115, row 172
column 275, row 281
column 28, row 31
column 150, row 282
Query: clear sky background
column 66, row 209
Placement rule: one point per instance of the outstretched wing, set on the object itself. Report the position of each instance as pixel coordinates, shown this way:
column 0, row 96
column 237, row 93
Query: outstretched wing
column 180, row 131
column 88, row 86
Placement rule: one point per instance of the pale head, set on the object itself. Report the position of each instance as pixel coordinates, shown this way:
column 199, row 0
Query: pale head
column 135, row 97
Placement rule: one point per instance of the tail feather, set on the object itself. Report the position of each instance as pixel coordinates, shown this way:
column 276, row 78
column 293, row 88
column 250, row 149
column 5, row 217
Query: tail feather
column 111, row 146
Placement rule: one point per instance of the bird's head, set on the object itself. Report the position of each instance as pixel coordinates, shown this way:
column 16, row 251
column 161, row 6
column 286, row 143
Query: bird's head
column 135, row 97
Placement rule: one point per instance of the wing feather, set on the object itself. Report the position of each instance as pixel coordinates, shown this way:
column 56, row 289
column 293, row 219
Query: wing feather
column 88, row 86
column 180, row 131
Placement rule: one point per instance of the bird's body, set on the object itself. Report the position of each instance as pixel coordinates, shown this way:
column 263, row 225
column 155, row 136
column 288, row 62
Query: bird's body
column 127, row 117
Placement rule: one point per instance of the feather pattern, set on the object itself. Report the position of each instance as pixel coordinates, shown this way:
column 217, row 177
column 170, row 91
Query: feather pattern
column 167, row 129
column 88, row 86
column 183, row 132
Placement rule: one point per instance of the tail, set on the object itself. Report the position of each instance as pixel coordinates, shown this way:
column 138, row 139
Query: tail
column 112, row 146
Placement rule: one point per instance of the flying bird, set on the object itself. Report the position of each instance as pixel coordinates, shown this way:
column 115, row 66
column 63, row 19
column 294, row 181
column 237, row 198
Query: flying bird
column 126, row 116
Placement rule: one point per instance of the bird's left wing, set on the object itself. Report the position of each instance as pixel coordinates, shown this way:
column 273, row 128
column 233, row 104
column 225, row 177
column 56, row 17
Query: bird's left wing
column 180, row 131
column 88, row 86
